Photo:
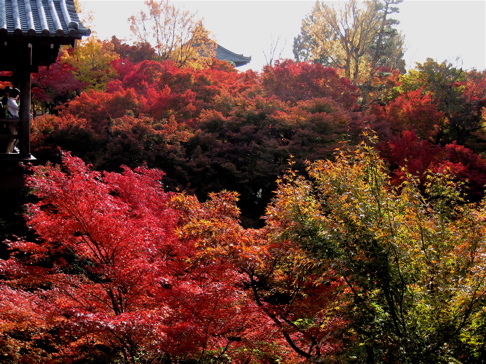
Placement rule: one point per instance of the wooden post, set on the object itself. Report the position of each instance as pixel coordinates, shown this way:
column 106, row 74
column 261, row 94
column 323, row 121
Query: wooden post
column 25, row 101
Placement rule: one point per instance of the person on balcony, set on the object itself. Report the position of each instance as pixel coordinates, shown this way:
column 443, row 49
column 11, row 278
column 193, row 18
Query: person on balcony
column 13, row 113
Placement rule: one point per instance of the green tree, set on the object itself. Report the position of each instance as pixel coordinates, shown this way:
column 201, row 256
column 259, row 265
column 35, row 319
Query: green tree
column 359, row 38
column 413, row 262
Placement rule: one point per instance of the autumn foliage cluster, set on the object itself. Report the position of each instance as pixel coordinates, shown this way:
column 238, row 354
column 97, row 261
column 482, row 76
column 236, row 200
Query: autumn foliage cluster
column 291, row 223
column 212, row 128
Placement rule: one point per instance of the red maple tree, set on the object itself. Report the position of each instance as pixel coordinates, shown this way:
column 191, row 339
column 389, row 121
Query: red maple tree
column 109, row 279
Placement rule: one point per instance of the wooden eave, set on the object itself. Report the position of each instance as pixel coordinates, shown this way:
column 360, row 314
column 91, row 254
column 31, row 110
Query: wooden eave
column 40, row 25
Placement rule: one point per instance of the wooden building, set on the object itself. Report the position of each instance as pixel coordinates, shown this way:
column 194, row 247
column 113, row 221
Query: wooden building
column 31, row 34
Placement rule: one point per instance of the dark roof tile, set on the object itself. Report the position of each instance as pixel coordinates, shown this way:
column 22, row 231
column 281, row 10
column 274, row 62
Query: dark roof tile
column 54, row 18
column 224, row 54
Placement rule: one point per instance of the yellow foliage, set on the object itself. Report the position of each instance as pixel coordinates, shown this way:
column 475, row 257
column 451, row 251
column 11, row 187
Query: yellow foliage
column 413, row 260
column 91, row 60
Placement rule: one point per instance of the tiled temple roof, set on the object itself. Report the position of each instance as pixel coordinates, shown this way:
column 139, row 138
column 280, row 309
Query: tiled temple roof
column 45, row 18
column 224, row 54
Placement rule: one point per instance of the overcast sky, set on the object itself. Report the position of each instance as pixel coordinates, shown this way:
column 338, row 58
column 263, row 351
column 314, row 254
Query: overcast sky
column 443, row 30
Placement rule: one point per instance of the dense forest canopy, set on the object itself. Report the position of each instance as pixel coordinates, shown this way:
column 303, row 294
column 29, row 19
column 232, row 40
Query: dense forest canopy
column 329, row 209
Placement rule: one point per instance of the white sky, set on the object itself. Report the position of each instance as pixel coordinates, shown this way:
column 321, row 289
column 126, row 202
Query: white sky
column 440, row 29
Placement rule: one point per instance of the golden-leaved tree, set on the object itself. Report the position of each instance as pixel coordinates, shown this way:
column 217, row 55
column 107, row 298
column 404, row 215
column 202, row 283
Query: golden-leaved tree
column 91, row 63
column 175, row 33
column 358, row 37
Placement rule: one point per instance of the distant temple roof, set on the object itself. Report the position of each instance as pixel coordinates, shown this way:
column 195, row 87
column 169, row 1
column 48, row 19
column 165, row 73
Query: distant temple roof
column 224, row 54
column 41, row 18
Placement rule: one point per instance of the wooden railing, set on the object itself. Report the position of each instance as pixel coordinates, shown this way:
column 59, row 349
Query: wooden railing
column 3, row 120
column 7, row 134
